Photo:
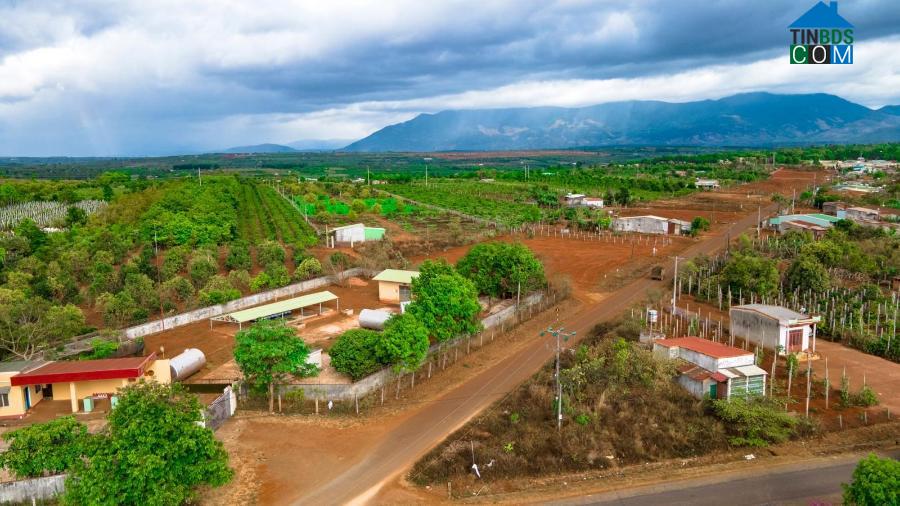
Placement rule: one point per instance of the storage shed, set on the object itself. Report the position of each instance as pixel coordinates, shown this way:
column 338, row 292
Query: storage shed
column 771, row 326
column 649, row 224
column 713, row 369
column 350, row 233
column 394, row 285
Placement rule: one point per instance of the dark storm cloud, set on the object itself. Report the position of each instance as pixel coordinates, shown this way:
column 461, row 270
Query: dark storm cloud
column 110, row 77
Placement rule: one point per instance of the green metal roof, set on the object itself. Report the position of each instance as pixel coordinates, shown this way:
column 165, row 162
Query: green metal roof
column 255, row 313
column 396, row 276
column 833, row 219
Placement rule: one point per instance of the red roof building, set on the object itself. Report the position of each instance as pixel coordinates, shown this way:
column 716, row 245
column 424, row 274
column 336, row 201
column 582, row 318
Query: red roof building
column 713, row 369
column 85, row 370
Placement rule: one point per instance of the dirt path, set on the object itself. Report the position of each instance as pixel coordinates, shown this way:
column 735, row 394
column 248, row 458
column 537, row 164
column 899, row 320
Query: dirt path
column 411, row 438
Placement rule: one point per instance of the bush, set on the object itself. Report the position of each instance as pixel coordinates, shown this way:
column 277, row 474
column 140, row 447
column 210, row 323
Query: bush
column 309, row 267
column 756, row 421
column 876, row 481
column 238, row 256
column 269, row 252
column 176, row 289
column 45, row 448
column 174, row 262
column 354, row 353
column 102, row 348
column 218, row 291
column 239, row 279
column 404, row 342
column 201, row 268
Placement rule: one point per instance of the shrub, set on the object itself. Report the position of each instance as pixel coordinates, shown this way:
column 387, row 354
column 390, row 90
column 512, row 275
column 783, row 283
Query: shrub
column 102, row 348
column 260, row 282
column 238, row 256
column 45, row 448
column 278, row 275
column 307, row 268
column 354, row 353
column 239, row 279
column 756, row 421
column 269, row 252
column 201, row 268
column 218, row 290
column 866, row 397
column 174, row 262
column 176, row 289
column 876, row 481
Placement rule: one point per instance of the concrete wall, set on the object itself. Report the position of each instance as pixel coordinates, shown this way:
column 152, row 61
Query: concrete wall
column 23, row 491
column 388, row 291
column 352, row 234
column 642, row 225
column 383, row 377
column 697, row 388
column 755, row 327
column 236, row 305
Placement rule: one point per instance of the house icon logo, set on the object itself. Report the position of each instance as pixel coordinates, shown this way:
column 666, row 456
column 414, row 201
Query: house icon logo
column 822, row 36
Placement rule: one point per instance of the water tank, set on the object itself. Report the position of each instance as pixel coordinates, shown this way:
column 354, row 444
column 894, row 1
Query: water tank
column 373, row 318
column 188, row 362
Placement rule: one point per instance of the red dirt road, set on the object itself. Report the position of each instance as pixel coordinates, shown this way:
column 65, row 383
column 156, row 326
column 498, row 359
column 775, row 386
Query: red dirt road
column 418, row 433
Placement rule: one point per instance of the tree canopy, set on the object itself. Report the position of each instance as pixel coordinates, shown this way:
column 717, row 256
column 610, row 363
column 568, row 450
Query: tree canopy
column 155, row 452
column 498, row 268
column 404, row 342
column 269, row 352
column 355, row 353
column 51, row 447
column 876, row 481
column 444, row 301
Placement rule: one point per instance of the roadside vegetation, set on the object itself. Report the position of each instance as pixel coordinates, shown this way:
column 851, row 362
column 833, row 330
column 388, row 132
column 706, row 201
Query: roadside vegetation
column 620, row 406
column 154, row 450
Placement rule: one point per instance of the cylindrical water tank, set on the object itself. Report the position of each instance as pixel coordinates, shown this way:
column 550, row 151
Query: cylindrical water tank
column 373, row 318
column 188, row 362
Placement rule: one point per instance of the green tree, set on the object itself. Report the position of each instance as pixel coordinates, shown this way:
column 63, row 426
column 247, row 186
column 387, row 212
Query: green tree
column 307, row 268
column 499, row 269
column 270, row 352
column 142, row 291
column 747, row 272
column 156, row 452
column 444, row 301
column 176, row 290
column 355, row 353
column 202, row 267
column 218, row 290
column 45, row 448
column 30, row 231
column 75, row 216
column 119, row 309
column 404, row 342
column 269, row 252
column 238, row 256
column 806, row 273
column 699, row 224
column 876, row 482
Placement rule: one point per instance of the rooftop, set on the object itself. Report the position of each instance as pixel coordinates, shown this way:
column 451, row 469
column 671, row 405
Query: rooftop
column 84, row 370
column 396, row 276
column 345, row 227
column 19, row 365
column 778, row 312
column 710, row 348
column 284, row 306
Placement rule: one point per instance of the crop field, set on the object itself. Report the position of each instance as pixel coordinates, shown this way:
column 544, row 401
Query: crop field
column 44, row 214
column 264, row 214
column 505, row 203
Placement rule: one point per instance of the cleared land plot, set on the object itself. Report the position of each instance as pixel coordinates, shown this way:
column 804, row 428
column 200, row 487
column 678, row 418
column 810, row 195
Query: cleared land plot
column 217, row 342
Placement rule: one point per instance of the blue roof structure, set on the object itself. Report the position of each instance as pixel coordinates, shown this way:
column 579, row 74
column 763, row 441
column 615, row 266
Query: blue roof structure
column 822, row 16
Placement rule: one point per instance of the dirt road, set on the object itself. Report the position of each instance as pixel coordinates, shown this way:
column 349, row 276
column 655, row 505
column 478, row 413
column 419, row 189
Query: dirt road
column 420, row 431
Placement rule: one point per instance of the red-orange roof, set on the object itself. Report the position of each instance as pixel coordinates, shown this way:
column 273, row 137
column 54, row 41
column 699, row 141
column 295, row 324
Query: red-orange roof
column 84, row 370
column 703, row 346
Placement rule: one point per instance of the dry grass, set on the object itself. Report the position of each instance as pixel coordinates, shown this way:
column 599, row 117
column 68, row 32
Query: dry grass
column 620, row 407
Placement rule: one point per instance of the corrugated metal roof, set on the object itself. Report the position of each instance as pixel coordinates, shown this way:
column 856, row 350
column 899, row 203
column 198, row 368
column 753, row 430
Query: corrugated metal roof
column 777, row 312
column 396, row 276
column 345, row 227
column 749, row 370
column 84, row 370
column 284, row 306
column 703, row 346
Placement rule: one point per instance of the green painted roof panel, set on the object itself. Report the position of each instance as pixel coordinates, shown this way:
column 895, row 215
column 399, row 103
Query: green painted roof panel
column 283, row 306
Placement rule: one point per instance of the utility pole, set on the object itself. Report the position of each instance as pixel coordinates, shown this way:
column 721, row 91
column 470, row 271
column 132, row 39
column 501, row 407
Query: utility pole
column 675, row 285
column 559, row 333
column 199, row 178
column 427, row 159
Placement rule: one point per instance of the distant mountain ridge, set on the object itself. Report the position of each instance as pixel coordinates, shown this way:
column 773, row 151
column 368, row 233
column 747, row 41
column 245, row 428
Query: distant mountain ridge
column 750, row 119
column 261, row 148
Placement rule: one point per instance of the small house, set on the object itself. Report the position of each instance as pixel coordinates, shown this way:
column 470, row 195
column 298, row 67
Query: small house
column 81, row 381
column 592, row 202
column 713, row 369
column 707, row 184
column 803, row 226
column 357, row 233
column 650, row 224
column 573, row 199
column 861, row 214
column 820, row 220
column 16, row 400
column 833, row 208
column 394, row 285
column 774, row 326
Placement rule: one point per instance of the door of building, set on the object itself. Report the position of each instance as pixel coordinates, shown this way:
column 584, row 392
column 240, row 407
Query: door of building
column 404, row 293
column 713, row 391
column 795, row 340
column 27, row 390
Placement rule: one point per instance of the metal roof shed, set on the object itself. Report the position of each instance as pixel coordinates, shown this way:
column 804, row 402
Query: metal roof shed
column 277, row 308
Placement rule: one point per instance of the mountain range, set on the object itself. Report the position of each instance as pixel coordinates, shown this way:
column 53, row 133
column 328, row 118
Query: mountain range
column 750, row 119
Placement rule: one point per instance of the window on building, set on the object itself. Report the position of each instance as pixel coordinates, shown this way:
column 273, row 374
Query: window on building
column 739, row 387
column 37, row 389
column 756, row 385
column 4, row 400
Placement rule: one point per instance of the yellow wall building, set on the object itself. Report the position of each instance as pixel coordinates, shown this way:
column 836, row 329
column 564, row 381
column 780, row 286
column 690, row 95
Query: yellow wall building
column 394, row 285
column 74, row 380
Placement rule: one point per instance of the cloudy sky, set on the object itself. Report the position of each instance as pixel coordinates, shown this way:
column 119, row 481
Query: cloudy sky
column 148, row 77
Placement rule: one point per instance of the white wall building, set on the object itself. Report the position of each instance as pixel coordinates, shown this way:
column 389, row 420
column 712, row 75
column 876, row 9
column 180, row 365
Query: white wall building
column 771, row 326
column 713, row 369
column 650, row 224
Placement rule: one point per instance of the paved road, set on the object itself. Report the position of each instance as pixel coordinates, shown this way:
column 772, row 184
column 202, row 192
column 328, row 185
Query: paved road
column 804, row 483
column 427, row 427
